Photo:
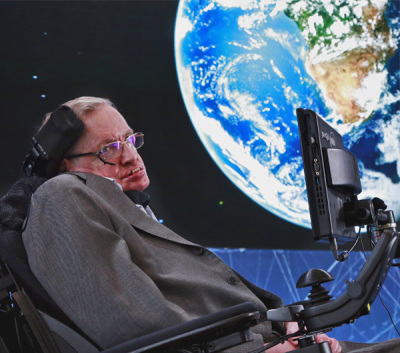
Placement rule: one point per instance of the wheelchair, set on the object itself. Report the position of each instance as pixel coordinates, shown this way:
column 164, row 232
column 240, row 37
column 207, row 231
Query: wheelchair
column 30, row 321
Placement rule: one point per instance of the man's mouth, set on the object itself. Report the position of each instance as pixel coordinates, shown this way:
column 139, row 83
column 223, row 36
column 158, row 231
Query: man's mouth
column 134, row 171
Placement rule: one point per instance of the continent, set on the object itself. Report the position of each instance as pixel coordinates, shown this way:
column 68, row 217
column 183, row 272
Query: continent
column 348, row 46
column 342, row 77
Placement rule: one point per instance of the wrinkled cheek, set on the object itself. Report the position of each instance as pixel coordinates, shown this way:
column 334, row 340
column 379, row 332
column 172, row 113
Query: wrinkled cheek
column 138, row 184
column 146, row 182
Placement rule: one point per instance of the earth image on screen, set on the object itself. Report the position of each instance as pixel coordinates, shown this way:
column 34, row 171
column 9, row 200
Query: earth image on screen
column 244, row 66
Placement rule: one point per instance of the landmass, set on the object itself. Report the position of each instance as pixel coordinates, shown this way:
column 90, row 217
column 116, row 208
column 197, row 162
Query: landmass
column 349, row 43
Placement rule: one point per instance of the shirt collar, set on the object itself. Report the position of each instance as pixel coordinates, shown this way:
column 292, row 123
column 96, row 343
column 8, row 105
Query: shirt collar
column 115, row 182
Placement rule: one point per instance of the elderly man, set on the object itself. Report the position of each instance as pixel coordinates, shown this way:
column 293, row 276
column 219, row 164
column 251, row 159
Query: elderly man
column 113, row 269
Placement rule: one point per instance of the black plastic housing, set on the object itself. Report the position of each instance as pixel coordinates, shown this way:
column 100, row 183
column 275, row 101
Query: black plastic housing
column 332, row 176
column 52, row 142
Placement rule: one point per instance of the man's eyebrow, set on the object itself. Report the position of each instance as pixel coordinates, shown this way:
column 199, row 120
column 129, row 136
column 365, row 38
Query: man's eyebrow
column 110, row 140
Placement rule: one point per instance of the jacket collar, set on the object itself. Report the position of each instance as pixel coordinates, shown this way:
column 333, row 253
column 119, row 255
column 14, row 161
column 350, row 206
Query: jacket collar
column 118, row 200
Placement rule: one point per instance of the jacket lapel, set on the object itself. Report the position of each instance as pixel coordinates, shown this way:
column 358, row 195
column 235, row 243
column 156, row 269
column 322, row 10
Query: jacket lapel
column 115, row 198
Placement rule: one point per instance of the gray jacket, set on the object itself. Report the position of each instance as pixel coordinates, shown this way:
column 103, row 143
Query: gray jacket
column 117, row 273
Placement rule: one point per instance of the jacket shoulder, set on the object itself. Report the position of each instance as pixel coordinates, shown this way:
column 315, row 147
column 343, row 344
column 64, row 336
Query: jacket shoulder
column 60, row 184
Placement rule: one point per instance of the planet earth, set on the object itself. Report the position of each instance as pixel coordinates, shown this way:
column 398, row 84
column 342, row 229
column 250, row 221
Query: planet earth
column 244, row 66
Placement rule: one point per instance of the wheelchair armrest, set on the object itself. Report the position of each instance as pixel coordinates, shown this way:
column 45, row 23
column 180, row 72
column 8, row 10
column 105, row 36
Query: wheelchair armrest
column 219, row 329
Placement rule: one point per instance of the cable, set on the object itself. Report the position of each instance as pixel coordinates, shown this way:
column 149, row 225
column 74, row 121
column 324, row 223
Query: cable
column 363, row 249
column 373, row 240
column 356, row 241
column 277, row 341
column 345, row 254
column 390, row 316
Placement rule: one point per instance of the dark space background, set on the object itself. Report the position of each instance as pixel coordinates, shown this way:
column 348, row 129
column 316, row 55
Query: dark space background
column 54, row 51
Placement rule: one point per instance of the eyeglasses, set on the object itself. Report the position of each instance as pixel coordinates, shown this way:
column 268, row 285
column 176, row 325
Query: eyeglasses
column 114, row 149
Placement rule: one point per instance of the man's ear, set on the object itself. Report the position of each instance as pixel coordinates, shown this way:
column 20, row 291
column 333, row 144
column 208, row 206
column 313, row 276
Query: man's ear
column 66, row 166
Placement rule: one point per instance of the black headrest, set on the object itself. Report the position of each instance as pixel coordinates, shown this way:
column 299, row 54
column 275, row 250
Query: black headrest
column 52, row 142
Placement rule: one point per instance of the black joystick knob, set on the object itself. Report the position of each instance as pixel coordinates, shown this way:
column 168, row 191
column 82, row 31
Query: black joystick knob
column 313, row 278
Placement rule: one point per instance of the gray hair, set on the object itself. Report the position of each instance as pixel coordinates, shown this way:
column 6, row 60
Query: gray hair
column 82, row 106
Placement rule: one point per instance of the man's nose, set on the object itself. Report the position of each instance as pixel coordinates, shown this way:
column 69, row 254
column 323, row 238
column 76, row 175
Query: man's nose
column 128, row 153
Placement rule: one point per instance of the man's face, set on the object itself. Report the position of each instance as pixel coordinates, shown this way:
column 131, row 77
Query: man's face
column 102, row 127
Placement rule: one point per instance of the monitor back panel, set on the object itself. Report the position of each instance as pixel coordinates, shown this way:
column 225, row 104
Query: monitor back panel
column 326, row 204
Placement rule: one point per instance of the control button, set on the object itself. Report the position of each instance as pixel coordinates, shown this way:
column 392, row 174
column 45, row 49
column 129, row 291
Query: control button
column 232, row 280
column 355, row 289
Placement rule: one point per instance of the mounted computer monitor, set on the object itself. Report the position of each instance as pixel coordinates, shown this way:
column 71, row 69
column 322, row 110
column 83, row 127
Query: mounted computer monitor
column 332, row 176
